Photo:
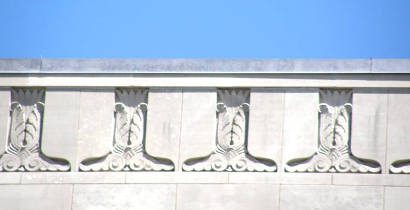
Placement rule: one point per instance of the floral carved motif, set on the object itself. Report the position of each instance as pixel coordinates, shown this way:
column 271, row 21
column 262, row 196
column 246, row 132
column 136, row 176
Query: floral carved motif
column 334, row 153
column 128, row 152
column 23, row 151
column 231, row 152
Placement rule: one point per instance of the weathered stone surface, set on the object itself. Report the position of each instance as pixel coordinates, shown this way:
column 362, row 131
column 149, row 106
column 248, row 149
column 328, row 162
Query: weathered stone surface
column 266, row 123
column 369, row 116
column 60, row 124
column 124, row 197
column 300, row 136
column 198, row 127
column 164, row 123
column 397, row 198
column 96, row 125
column 227, row 196
column 206, row 65
column 20, row 65
column 10, row 178
column 35, row 197
column 330, row 197
column 398, row 139
column 391, row 65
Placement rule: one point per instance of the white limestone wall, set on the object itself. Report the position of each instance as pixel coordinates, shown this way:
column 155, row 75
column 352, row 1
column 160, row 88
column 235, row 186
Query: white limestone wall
column 181, row 124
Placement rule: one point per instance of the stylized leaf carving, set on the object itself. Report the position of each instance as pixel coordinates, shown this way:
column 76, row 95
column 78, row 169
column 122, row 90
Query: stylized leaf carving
column 128, row 152
column 231, row 152
column 333, row 154
column 23, row 152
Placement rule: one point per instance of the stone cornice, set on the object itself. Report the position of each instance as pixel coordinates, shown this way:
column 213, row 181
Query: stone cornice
column 204, row 66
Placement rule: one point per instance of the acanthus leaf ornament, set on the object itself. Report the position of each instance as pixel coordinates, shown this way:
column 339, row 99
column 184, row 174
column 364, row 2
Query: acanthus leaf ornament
column 231, row 152
column 128, row 152
column 334, row 153
column 23, row 152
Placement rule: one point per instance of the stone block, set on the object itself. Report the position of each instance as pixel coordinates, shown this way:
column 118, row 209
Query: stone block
column 391, row 65
column 35, row 197
column 371, row 179
column 72, row 178
column 317, row 197
column 368, row 132
column 203, row 177
column 20, row 65
column 164, row 123
column 124, row 197
column 178, row 177
column 300, row 129
column 254, row 177
column 227, row 196
column 150, row 177
column 96, row 124
column 359, row 179
column 10, row 178
column 198, row 124
column 266, row 123
column 60, row 124
column 306, row 178
column 397, row 198
column 398, row 138
column 325, row 65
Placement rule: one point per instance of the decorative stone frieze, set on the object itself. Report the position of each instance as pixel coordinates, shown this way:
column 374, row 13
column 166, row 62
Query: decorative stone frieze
column 334, row 152
column 231, row 152
column 128, row 152
column 23, row 150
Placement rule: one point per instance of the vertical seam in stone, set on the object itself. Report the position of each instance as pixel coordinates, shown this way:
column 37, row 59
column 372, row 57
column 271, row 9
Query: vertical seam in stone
column 176, row 197
column 384, row 197
column 180, row 132
column 386, row 164
column 279, row 190
column 77, row 162
column 331, row 179
column 72, row 196
column 279, row 169
column 20, row 178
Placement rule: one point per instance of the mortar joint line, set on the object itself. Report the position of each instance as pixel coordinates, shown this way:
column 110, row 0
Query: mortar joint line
column 386, row 164
column 180, row 131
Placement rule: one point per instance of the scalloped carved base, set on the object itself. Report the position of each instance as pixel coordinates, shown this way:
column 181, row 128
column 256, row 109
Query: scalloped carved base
column 220, row 162
column 231, row 152
column 400, row 167
column 117, row 162
column 23, row 151
column 34, row 162
column 322, row 163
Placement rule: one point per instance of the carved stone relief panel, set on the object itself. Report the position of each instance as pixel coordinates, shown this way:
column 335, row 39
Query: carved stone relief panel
column 128, row 152
column 23, row 150
column 231, row 153
column 334, row 152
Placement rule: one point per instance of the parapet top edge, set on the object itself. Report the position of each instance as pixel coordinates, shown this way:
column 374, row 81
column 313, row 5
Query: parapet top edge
column 207, row 66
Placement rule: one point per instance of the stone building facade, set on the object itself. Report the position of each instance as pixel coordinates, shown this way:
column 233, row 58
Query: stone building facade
column 185, row 134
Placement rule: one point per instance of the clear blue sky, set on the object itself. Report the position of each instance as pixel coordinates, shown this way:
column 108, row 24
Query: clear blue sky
column 205, row 29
